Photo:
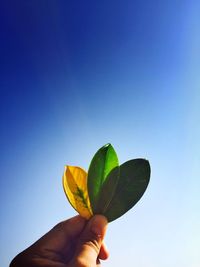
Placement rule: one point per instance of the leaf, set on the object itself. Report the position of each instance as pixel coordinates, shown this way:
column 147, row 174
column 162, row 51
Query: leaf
column 133, row 181
column 108, row 190
column 103, row 162
column 75, row 187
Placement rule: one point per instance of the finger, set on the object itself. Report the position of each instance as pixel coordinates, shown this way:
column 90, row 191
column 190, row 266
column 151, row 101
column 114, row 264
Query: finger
column 104, row 253
column 61, row 235
column 57, row 244
column 90, row 242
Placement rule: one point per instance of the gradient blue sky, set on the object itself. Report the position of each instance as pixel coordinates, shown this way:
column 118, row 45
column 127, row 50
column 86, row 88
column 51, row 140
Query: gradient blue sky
column 75, row 75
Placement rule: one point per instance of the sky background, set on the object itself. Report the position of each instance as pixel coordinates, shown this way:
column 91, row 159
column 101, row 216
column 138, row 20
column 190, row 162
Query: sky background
column 75, row 75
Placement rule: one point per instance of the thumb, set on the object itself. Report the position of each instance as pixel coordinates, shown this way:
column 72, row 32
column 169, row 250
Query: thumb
column 90, row 242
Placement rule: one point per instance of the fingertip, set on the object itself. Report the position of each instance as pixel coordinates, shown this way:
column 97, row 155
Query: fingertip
column 104, row 253
column 98, row 225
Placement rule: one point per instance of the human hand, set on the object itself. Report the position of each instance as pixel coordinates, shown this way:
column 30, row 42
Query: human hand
column 72, row 243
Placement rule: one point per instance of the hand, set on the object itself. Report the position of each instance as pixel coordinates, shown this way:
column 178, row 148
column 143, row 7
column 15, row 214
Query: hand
column 72, row 243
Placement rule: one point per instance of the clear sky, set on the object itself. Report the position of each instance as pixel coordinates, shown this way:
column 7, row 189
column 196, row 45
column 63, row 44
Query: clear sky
column 75, row 75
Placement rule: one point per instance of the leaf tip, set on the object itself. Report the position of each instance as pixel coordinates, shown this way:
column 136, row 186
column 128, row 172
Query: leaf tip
column 107, row 145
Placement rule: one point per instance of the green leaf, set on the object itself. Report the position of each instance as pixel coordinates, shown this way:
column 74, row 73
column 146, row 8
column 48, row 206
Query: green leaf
column 132, row 183
column 108, row 190
column 103, row 162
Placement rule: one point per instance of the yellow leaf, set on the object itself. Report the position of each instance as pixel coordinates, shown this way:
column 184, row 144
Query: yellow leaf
column 75, row 187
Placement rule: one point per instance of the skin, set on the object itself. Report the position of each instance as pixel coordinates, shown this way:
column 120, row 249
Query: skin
column 72, row 243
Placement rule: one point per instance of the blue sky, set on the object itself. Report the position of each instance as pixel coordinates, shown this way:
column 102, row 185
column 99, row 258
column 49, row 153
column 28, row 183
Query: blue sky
column 75, row 75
